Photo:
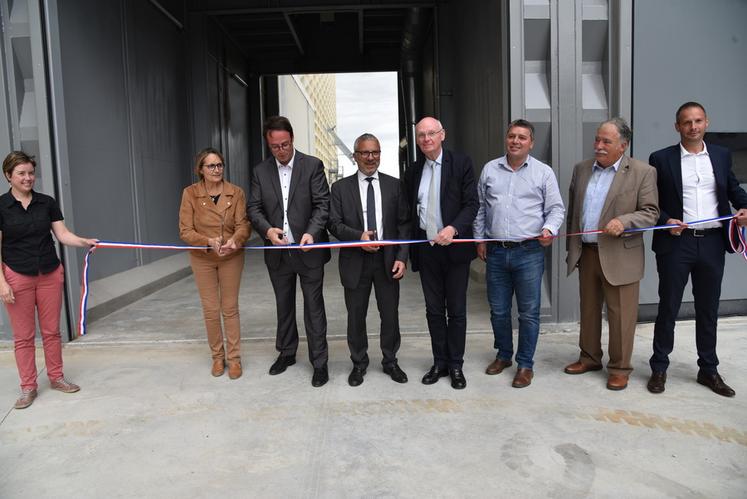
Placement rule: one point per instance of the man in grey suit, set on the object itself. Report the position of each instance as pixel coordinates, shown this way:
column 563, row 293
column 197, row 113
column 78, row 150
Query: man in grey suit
column 367, row 206
column 289, row 204
column 612, row 192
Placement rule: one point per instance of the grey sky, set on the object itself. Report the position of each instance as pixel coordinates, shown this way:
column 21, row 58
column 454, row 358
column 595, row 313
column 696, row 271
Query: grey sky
column 367, row 102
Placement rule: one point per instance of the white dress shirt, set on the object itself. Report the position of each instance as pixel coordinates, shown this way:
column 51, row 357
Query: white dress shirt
column 284, row 174
column 698, row 188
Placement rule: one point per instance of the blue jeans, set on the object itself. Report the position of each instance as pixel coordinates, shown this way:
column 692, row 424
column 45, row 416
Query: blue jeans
column 515, row 270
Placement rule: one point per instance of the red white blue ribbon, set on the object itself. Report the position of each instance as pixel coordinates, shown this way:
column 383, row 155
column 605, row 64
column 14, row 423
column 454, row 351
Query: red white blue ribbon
column 737, row 239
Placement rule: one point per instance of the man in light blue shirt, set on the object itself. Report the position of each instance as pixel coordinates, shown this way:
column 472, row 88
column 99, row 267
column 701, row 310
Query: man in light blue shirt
column 521, row 206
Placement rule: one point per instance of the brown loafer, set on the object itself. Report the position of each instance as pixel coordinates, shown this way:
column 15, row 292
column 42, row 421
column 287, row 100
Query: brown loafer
column 26, row 399
column 64, row 386
column 617, row 382
column 497, row 366
column 219, row 367
column 581, row 368
column 523, row 378
column 234, row 369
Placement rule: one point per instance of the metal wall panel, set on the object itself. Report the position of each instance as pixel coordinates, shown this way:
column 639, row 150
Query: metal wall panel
column 96, row 110
column 702, row 58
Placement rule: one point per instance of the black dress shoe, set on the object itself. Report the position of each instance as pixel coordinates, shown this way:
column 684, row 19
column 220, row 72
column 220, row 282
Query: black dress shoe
column 657, row 381
column 396, row 373
column 356, row 376
column 458, row 381
column 434, row 375
column 320, row 377
column 715, row 383
column 282, row 363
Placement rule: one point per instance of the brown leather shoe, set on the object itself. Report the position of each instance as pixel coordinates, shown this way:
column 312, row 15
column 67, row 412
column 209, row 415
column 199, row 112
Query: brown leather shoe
column 26, row 399
column 657, row 381
column 523, row 378
column 617, row 382
column 497, row 366
column 64, row 386
column 219, row 367
column 234, row 369
column 581, row 368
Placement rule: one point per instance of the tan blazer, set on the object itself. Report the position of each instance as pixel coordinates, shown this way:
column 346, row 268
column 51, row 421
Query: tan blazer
column 634, row 200
column 201, row 219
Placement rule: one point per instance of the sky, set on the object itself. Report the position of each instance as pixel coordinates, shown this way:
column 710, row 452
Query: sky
column 367, row 102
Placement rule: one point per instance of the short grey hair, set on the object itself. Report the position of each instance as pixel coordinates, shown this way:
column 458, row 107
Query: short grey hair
column 365, row 136
column 626, row 133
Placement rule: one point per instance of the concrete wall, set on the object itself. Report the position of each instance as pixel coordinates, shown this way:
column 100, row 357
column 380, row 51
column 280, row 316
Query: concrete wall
column 689, row 50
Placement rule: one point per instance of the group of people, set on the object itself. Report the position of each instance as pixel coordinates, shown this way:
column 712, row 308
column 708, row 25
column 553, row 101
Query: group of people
column 515, row 206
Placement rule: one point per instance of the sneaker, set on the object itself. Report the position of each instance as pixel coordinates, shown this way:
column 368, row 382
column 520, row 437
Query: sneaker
column 64, row 386
column 26, row 399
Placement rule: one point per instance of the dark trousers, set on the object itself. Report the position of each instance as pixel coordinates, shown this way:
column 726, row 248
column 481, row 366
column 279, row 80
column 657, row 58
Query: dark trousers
column 374, row 274
column 314, row 316
column 703, row 259
column 445, row 290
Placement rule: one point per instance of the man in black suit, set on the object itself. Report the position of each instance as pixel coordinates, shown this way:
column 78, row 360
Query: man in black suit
column 367, row 206
column 444, row 203
column 289, row 204
column 695, row 182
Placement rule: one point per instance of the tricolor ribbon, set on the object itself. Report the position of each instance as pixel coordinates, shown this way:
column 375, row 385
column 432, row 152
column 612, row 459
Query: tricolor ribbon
column 737, row 239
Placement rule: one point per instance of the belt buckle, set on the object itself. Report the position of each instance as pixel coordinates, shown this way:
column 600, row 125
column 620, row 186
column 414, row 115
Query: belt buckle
column 698, row 232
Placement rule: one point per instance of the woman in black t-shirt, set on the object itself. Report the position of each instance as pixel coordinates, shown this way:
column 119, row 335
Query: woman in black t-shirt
column 32, row 275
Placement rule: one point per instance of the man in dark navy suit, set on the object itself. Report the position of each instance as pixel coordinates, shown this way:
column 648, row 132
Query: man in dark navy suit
column 443, row 197
column 695, row 182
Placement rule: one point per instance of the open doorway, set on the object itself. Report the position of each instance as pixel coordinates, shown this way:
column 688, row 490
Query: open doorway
column 329, row 111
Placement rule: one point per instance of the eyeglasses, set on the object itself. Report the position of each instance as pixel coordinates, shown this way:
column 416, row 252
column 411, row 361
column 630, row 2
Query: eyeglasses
column 369, row 154
column 214, row 166
column 431, row 135
column 284, row 146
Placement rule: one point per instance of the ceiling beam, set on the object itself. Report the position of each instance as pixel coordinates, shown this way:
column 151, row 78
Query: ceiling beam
column 360, row 32
column 293, row 32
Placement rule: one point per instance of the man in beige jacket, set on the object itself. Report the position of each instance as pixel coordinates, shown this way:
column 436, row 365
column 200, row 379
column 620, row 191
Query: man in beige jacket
column 612, row 193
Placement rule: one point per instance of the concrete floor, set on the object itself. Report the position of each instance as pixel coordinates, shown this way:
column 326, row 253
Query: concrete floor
column 150, row 421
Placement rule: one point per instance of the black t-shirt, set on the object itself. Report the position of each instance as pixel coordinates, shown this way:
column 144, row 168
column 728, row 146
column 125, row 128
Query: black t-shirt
column 27, row 245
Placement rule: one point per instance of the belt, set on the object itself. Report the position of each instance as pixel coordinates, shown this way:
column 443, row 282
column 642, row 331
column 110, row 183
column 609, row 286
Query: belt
column 702, row 232
column 590, row 245
column 510, row 244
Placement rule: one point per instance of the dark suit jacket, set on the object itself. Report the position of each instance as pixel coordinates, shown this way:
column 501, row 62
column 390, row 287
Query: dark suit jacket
column 669, row 168
column 459, row 204
column 346, row 224
column 308, row 205
column 632, row 199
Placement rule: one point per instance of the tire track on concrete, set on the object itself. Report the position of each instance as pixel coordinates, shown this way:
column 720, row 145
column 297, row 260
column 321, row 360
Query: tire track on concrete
column 668, row 423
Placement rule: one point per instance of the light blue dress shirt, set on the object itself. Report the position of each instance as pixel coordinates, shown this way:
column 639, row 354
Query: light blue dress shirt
column 430, row 168
column 596, row 194
column 517, row 205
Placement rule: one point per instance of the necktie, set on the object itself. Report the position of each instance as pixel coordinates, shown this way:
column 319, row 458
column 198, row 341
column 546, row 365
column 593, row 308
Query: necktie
column 431, row 226
column 371, row 207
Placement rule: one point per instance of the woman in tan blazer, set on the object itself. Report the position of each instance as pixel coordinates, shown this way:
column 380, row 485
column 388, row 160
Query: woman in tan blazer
column 213, row 213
